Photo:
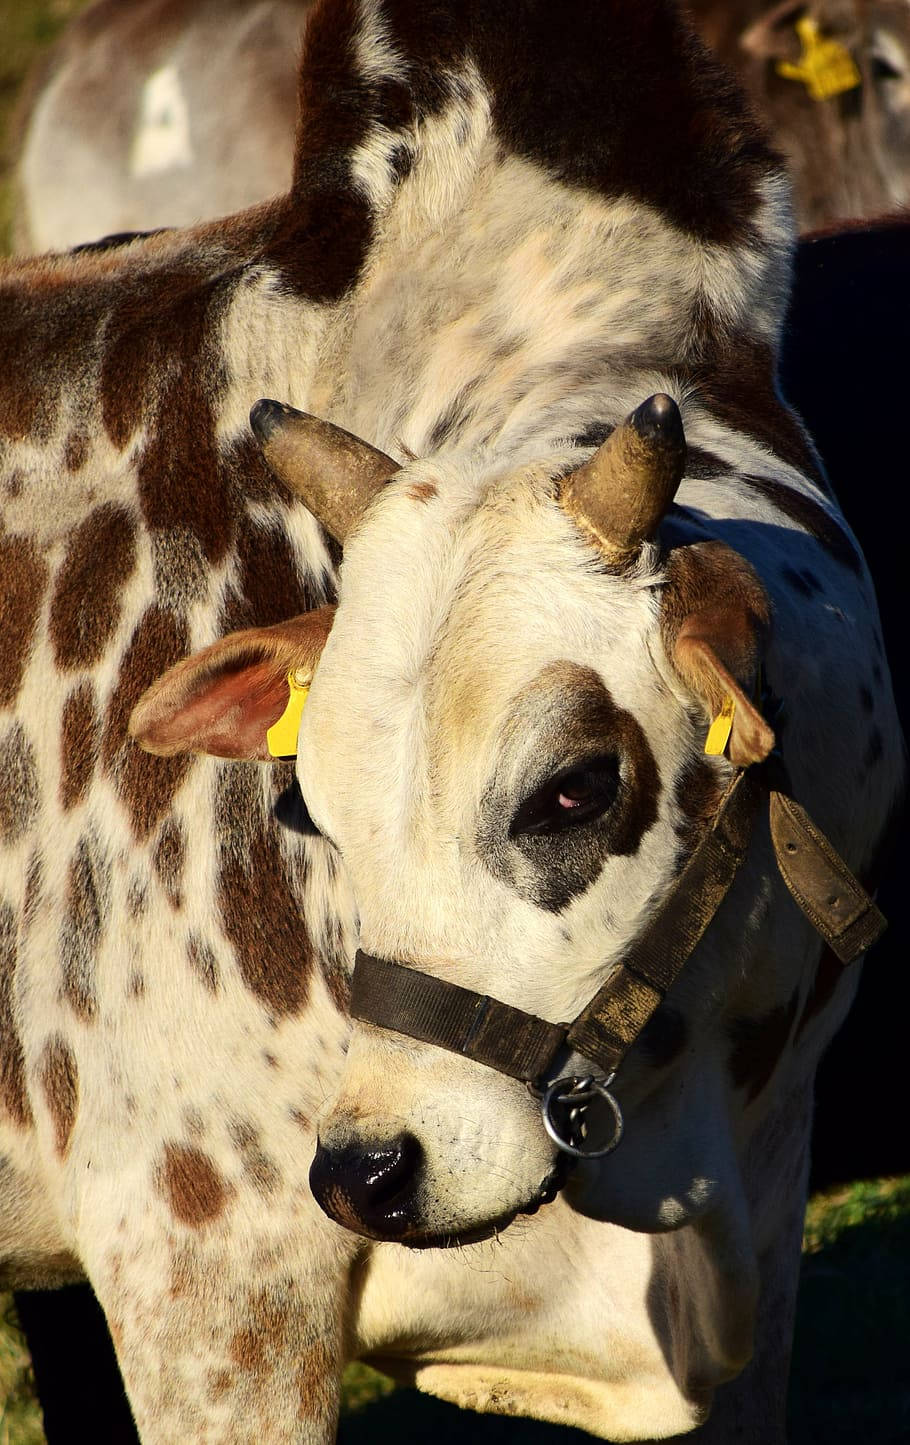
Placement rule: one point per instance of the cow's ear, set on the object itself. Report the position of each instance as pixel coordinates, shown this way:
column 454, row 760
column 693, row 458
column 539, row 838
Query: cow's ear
column 715, row 617
column 224, row 699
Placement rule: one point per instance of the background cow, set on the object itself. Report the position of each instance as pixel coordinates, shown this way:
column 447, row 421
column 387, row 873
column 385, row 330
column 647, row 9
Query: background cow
column 150, row 113
column 848, row 141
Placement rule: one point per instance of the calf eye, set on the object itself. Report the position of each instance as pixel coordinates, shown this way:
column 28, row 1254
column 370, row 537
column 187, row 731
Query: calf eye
column 291, row 811
column 576, row 795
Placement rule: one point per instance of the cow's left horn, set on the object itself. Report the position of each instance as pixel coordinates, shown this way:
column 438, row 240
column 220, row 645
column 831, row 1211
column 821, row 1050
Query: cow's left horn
column 335, row 473
column 621, row 494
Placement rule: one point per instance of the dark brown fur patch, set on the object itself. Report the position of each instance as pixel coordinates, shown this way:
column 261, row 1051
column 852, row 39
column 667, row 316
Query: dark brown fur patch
column 24, row 575
column 270, row 586
column 202, row 961
column 735, row 378
column 193, row 1186
column 18, row 784
column 87, row 895
column 758, row 1045
column 85, row 609
column 80, row 744
column 169, row 858
column 811, row 517
column 75, row 452
column 59, row 1079
column 13, row 1094
column 260, row 909
column 146, row 784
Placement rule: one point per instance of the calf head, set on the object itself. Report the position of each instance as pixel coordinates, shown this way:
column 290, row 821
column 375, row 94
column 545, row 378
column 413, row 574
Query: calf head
column 503, row 740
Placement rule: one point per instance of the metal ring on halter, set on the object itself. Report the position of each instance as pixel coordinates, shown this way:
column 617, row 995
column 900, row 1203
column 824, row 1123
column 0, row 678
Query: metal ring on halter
column 577, row 1094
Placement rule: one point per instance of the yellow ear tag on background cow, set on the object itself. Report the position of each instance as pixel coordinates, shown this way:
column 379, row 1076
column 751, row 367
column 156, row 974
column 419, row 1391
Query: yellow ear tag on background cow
column 826, row 68
column 720, row 729
column 281, row 737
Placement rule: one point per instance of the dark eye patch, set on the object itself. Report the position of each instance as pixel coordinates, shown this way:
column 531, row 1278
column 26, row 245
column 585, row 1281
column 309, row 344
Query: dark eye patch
column 291, row 812
column 575, row 796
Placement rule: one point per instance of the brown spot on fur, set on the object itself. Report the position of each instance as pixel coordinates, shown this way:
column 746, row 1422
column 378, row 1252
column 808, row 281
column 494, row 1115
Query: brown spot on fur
column 14, row 484
column 137, row 898
column 135, row 985
column 421, row 492
column 85, row 609
column 34, row 889
column 59, row 1079
column 758, row 1045
column 87, row 895
column 146, row 784
column 264, row 1335
column 18, row 784
column 169, row 858
column 195, row 1189
column 220, row 1382
column 258, row 1169
column 24, row 575
column 13, row 1093
column 271, row 587
column 202, row 961
column 75, row 452
column 261, row 909
column 80, row 744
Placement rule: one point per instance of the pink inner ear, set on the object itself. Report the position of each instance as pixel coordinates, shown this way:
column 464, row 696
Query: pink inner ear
column 227, row 714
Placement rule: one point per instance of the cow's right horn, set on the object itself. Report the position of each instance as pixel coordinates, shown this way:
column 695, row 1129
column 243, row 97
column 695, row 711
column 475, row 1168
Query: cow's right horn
column 620, row 496
column 335, row 473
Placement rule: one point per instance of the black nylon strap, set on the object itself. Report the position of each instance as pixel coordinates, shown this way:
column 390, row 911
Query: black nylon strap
column 473, row 1024
column 619, row 1011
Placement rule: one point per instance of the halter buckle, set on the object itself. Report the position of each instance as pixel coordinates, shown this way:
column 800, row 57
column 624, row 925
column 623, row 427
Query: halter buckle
column 572, row 1124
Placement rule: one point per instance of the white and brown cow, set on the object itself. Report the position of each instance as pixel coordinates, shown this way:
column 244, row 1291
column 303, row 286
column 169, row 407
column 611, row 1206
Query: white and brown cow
column 504, row 737
column 150, row 113
column 173, row 967
column 495, row 245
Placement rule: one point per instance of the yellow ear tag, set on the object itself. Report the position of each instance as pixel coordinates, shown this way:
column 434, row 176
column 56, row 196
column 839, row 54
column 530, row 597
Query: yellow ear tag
column 720, row 729
column 826, row 68
column 282, row 735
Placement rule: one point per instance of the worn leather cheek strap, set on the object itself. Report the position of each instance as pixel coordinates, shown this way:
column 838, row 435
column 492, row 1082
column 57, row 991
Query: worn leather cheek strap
column 427, row 1008
column 820, row 881
column 523, row 1046
column 612, row 1021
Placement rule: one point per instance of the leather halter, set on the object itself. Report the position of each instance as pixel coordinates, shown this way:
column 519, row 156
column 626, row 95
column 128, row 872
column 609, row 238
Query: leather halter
column 397, row 997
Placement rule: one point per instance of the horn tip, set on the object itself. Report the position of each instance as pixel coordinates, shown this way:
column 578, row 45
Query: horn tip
column 265, row 417
column 659, row 419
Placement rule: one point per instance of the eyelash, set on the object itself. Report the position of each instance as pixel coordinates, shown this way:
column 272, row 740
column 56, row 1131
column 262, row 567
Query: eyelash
column 552, row 808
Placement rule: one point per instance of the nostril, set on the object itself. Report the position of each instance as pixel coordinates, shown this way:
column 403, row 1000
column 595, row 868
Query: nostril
column 369, row 1189
column 390, row 1171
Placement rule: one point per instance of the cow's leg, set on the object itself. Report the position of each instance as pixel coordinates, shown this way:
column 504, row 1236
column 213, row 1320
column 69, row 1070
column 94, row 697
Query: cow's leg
column 230, row 1334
